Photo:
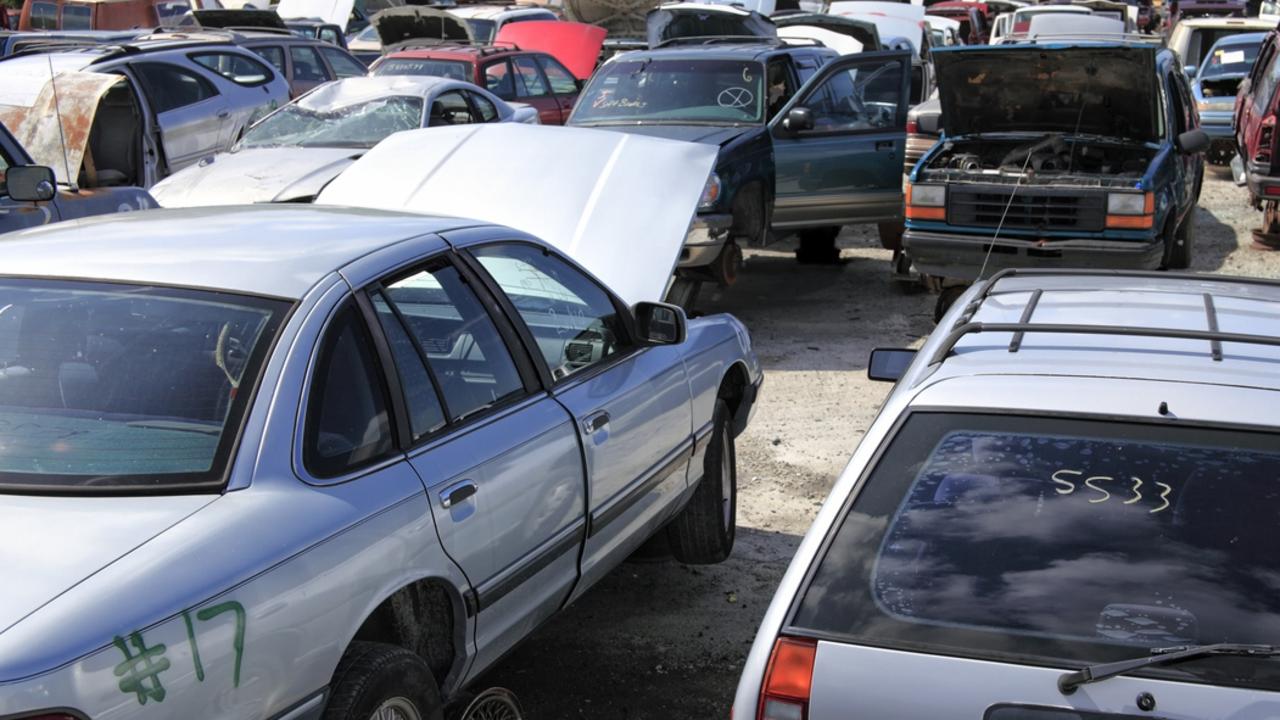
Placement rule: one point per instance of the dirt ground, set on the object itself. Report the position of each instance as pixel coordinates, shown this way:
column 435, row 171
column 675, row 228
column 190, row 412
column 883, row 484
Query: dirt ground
column 665, row 641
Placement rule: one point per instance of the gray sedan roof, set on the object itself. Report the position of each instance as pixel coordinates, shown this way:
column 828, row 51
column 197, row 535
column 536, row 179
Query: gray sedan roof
column 271, row 250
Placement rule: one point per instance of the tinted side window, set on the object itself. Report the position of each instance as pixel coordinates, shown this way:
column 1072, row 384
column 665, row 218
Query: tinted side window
column 238, row 69
column 348, row 425
column 561, row 80
column 76, row 17
column 462, row 344
column 306, row 65
column 498, row 80
column 1267, row 82
column 862, row 97
column 273, row 54
column 171, row 87
column 329, row 35
column 344, row 66
column 44, row 16
column 488, row 113
column 573, row 320
column 426, row 413
column 531, row 83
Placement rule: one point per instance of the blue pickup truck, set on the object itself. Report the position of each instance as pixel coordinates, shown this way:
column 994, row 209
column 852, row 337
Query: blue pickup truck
column 809, row 140
column 1073, row 154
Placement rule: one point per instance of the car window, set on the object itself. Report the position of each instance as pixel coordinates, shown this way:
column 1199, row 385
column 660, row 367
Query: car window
column 1059, row 541
column 171, row 87
column 529, row 79
column 273, row 54
column 44, row 16
column 780, row 86
column 344, row 66
column 624, row 91
column 464, row 348
column 426, row 411
column 498, row 80
column 861, row 97
column 105, row 385
column 1179, row 107
column 239, row 69
column 76, row 17
column 306, row 65
column 5, row 164
column 450, row 108
column 435, row 68
column 1267, row 83
column 307, row 123
column 561, row 80
column 486, row 109
column 329, row 35
column 347, row 425
column 573, row 320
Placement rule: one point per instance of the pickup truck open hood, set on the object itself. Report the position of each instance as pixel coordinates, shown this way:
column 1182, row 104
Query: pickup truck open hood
column 622, row 208
column 334, row 12
column 1056, row 89
column 427, row 25
column 689, row 20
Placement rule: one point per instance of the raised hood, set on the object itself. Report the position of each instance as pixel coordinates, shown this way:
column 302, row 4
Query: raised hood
column 622, row 208
column 1098, row 90
column 420, row 24
column 576, row 45
column 334, row 12
column 860, row 31
column 243, row 18
column 693, row 20
column 49, row 544
column 256, row 175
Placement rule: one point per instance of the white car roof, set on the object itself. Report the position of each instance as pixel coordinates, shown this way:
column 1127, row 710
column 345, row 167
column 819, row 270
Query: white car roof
column 271, row 250
column 491, row 12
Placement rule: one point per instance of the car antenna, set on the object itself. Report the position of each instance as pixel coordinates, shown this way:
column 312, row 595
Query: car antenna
column 62, row 137
column 1000, row 226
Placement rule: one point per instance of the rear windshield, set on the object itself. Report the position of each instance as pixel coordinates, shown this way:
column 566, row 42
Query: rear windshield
column 114, row 387
column 673, row 91
column 1051, row 540
column 454, row 70
column 1230, row 60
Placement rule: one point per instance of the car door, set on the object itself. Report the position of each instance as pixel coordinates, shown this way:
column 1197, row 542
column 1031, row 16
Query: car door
column 341, row 64
column 1185, row 119
column 306, row 70
column 631, row 404
column 846, row 166
column 564, row 87
column 532, row 89
column 189, row 112
column 450, row 108
column 499, row 458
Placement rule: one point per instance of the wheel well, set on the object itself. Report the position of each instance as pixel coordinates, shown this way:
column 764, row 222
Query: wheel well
column 423, row 617
column 733, row 388
column 749, row 207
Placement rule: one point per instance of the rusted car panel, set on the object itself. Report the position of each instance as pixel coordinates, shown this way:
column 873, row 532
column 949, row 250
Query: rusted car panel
column 74, row 97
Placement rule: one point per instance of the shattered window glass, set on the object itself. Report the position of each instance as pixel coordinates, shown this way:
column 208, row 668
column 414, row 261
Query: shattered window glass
column 361, row 125
column 673, row 91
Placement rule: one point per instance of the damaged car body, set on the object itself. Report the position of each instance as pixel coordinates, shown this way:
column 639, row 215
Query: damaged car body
column 1076, row 155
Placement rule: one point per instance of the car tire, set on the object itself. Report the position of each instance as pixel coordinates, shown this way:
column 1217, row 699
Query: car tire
column 818, row 246
column 946, row 298
column 1180, row 244
column 703, row 532
column 375, row 678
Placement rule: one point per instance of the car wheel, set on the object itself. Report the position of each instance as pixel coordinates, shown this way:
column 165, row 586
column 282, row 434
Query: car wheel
column 818, row 245
column 493, row 704
column 703, row 532
column 376, row 681
column 1178, row 244
column 946, row 299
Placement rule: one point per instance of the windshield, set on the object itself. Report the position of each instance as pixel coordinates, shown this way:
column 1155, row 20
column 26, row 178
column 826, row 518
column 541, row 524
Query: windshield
column 113, row 387
column 452, row 69
column 1060, row 539
column 1230, row 60
column 673, row 91
column 361, row 125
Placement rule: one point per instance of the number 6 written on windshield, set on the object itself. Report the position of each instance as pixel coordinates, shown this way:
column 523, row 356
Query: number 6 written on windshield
column 1065, row 485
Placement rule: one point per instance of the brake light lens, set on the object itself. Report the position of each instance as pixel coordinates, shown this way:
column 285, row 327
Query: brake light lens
column 1265, row 135
column 788, row 680
column 913, row 127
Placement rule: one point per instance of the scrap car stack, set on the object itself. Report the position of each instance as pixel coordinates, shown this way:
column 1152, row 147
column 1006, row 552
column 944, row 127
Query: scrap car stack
column 395, row 305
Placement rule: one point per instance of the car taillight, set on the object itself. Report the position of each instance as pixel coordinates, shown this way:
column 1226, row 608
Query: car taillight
column 913, row 127
column 784, row 694
column 1266, row 134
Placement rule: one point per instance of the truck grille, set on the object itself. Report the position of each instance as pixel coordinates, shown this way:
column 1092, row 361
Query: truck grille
column 1030, row 209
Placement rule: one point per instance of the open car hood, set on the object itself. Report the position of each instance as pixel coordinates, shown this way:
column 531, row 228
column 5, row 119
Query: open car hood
column 892, row 20
column 576, row 45
column 689, row 21
column 1016, row 88
column 30, row 100
column 860, row 31
column 425, row 25
column 604, row 209
column 334, row 12
column 244, row 18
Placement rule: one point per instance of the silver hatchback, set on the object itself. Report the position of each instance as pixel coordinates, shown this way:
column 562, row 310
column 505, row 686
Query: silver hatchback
column 1065, row 510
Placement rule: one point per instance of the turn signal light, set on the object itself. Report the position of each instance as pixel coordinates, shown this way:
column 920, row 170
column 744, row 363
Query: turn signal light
column 788, row 680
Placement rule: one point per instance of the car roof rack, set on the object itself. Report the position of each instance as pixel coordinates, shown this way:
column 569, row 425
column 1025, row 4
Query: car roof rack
column 718, row 39
column 1125, row 37
column 967, row 326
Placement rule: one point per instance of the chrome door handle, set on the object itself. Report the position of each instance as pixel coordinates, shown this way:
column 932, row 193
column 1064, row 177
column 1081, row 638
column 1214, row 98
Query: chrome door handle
column 595, row 421
column 456, row 494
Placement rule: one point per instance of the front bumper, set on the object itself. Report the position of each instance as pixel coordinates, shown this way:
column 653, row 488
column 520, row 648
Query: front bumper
column 963, row 256
column 705, row 239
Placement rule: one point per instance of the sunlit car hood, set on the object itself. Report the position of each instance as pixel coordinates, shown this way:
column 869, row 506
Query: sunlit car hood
column 622, row 208
column 48, row 544
column 334, row 12
column 255, row 175
column 1057, row 89
column 689, row 133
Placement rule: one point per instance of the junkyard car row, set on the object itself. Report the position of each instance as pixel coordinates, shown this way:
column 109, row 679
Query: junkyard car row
column 367, row 368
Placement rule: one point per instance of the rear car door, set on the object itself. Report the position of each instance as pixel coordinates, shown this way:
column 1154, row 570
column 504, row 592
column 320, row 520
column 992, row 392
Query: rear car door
column 532, row 88
column 631, row 404
column 500, row 459
column 189, row 111
column 306, row 70
column 564, row 87
column 847, row 167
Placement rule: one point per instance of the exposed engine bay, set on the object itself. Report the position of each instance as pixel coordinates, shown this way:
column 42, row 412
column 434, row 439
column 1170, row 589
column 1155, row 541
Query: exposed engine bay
column 1055, row 159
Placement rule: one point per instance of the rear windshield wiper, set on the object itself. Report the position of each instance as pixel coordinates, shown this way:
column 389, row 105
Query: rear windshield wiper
column 1068, row 682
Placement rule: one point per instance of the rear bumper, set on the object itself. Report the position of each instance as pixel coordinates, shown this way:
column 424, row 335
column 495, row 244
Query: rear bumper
column 705, row 239
column 917, row 146
column 1259, row 180
column 962, row 256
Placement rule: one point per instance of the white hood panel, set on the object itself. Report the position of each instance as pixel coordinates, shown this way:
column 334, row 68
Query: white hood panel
column 254, row 176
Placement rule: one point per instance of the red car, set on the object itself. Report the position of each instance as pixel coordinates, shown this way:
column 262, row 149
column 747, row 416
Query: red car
column 532, row 78
column 1255, row 121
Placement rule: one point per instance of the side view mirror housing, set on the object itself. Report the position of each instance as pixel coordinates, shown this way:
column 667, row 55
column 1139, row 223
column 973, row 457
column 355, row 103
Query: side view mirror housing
column 889, row 364
column 1190, row 70
column 1192, row 142
column 798, row 120
column 660, row 323
column 30, row 183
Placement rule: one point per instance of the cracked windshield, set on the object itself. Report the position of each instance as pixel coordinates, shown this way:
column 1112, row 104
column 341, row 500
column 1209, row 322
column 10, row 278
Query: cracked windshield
column 360, row 125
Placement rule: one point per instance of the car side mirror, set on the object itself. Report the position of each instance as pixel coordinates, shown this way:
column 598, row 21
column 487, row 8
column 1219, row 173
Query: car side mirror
column 889, row 364
column 798, row 120
column 1190, row 70
column 660, row 323
column 30, row 183
column 1192, row 142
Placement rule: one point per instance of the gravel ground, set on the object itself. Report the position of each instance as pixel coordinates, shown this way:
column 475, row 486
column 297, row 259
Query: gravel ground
column 665, row 641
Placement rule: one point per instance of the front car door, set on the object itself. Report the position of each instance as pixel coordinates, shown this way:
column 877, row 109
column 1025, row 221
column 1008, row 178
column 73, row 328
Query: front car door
column 189, row 111
column 846, row 168
column 532, row 89
column 564, row 87
column 631, row 404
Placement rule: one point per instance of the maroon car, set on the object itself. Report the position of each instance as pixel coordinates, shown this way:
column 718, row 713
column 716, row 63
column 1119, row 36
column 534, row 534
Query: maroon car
column 1255, row 122
column 532, row 78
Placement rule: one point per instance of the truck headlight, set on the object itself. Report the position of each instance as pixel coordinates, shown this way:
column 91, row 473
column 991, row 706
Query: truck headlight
column 710, row 193
column 1131, row 211
column 926, row 202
